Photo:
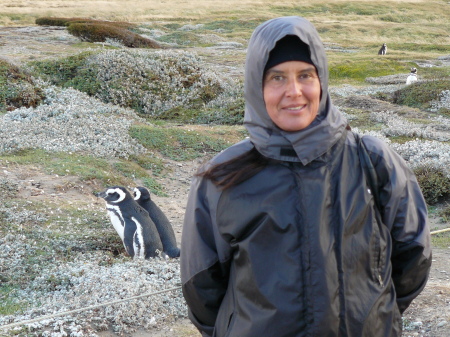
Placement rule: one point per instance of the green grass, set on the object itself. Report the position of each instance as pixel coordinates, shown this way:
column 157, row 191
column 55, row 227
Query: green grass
column 179, row 143
column 88, row 168
column 356, row 69
column 229, row 26
column 185, row 38
column 441, row 240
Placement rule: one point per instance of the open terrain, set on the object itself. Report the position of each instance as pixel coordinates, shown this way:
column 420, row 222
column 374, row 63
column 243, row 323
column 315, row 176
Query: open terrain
column 21, row 41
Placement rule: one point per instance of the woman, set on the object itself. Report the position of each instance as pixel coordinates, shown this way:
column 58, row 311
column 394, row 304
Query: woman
column 281, row 236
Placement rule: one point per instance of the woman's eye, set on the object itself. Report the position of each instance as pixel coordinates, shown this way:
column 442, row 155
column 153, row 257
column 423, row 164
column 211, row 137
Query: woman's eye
column 307, row 78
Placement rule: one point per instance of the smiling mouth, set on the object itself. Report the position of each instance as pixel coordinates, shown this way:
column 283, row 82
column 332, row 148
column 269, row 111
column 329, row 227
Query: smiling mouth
column 295, row 108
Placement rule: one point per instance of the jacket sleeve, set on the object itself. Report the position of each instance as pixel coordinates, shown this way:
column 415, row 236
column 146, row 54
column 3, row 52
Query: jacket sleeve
column 204, row 257
column 404, row 211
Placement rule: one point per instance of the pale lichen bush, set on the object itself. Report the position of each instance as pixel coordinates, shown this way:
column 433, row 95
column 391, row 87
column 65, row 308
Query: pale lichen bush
column 153, row 82
column 70, row 121
column 418, row 152
column 443, row 102
column 395, row 125
column 85, row 281
column 425, row 152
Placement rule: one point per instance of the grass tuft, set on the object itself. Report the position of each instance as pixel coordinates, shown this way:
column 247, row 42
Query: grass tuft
column 91, row 30
column 96, row 32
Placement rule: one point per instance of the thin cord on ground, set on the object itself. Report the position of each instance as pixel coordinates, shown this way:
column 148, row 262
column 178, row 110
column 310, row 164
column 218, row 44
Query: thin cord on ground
column 64, row 313
column 440, row 231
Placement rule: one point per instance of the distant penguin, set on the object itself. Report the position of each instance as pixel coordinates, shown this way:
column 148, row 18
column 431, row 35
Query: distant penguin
column 166, row 233
column 412, row 76
column 383, row 49
column 133, row 224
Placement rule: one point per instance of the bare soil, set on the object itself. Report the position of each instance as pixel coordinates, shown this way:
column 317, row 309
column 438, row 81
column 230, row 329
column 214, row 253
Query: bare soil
column 429, row 315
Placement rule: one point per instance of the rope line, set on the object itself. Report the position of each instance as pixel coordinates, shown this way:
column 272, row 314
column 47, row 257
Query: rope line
column 440, row 231
column 64, row 313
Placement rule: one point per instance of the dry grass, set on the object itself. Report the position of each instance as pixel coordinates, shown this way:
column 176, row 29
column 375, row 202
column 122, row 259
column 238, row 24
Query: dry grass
column 144, row 10
column 352, row 23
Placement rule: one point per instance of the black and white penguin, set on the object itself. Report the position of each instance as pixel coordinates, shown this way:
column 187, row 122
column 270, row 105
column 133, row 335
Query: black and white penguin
column 166, row 233
column 133, row 224
column 412, row 77
column 383, row 49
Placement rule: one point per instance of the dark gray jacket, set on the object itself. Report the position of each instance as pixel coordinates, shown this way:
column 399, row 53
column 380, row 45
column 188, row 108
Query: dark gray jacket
column 300, row 249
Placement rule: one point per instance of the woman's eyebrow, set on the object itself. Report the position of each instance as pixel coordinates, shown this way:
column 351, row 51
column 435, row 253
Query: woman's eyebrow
column 276, row 71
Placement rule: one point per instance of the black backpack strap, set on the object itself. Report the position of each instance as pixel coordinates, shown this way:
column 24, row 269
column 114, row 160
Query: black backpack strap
column 369, row 169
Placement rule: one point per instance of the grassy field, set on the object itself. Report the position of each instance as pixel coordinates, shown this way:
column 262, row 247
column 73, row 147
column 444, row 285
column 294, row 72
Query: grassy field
column 360, row 23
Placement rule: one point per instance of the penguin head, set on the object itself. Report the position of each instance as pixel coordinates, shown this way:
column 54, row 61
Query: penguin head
column 413, row 70
column 115, row 194
column 141, row 193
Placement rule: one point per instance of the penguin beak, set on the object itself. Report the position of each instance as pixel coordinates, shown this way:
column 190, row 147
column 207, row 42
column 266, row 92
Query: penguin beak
column 101, row 195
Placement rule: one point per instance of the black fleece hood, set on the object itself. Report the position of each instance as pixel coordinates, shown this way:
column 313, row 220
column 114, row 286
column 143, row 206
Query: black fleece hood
column 329, row 125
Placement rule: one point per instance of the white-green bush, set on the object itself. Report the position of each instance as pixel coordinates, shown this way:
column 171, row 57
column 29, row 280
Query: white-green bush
column 153, row 82
column 70, row 121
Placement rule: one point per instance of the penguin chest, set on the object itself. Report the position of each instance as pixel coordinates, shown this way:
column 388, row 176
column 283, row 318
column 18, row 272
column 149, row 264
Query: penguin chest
column 411, row 79
column 117, row 220
column 138, row 239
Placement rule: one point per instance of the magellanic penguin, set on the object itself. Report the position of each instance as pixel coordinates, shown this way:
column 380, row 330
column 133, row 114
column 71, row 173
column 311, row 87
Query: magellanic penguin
column 412, row 77
column 166, row 233
column 133, row 224
column 383, row 49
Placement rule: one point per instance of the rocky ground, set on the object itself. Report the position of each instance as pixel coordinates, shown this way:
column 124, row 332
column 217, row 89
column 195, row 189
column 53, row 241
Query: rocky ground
column 429, row 315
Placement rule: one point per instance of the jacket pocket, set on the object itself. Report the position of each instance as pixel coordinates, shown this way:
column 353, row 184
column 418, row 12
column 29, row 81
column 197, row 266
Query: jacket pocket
column 224, row 331
column 230, row 324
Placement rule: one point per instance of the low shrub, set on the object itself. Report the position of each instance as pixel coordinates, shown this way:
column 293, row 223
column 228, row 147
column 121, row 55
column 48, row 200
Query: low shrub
column 100, row 32
column 17, row 88
column 421, row 94
column 64, row 22
column 161, row 84
column 435, row 184
column 445, row 213
column 91, row 30
column 68, row 72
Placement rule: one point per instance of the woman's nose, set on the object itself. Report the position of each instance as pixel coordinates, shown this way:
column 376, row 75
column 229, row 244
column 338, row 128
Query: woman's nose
column 294, row 88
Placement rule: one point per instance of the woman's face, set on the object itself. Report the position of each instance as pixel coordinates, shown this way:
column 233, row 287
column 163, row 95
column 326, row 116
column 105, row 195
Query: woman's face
column 292, row 94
